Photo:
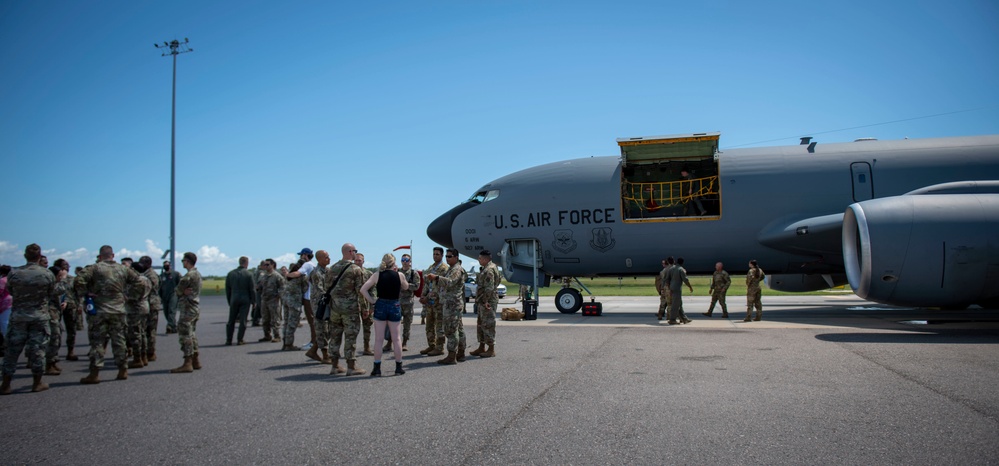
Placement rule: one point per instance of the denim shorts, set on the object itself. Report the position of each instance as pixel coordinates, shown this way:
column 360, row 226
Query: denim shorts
column 388, row 309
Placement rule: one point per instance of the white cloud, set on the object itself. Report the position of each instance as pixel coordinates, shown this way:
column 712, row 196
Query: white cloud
column 152, row 250
column 285, row 259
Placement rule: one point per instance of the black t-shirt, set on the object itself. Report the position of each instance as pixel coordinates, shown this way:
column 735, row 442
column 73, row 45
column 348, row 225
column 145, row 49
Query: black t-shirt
column 388, row 284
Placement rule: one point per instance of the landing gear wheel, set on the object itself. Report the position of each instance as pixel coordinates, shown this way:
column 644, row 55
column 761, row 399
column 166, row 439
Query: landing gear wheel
column 568, row 300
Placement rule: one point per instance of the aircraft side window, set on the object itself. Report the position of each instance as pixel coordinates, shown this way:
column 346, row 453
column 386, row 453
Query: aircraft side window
column 492, row 194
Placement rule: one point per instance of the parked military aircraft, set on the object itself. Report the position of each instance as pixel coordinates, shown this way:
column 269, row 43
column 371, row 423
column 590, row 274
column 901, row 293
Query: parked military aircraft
column 910, row 222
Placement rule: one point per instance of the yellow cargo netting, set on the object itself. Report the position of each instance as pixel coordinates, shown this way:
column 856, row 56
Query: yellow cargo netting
column 654, row 196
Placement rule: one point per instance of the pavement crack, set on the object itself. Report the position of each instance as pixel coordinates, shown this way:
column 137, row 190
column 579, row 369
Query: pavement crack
column 954, row 398
column 475, row 456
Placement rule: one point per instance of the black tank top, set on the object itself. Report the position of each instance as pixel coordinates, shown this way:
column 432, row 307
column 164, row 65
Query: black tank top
column 388, row 284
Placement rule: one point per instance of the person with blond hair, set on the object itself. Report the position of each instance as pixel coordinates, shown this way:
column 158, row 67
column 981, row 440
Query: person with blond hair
column 390, row 283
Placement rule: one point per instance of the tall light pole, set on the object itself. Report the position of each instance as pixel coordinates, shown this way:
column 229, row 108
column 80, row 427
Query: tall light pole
column 176, row 47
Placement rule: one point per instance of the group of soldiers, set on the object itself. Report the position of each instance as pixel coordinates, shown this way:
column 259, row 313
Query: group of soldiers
column 337, row 313
column 120, row 303
column 670, row 281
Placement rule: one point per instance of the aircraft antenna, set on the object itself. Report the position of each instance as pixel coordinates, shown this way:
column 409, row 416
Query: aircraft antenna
column 175, row 47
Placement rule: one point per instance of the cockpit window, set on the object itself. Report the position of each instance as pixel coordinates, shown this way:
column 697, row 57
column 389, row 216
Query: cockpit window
column 484, row 196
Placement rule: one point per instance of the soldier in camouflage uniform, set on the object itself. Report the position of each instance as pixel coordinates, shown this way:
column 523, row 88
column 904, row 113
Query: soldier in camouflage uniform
column 107, row 283
column 345, row 312
column 366, row 310
column 291, row 297
column 720, row 281
column 33, row 289
column 258, row 306
column 269, row 287
column 155, row 307
column 318, row 281
column 136, row 315
column 487, row 300
column 56, row 307
column 433, row 304
column 451, row 289
column 188, row 299
column 71, row 311
column 406, row 300
column 663, row 291
column 676, row 277
column 753, row 279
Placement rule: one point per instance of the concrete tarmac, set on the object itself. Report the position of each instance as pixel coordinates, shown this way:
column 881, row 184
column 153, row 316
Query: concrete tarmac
column 821, row 380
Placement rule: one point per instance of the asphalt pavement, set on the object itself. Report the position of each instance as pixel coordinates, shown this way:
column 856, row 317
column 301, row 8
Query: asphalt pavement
column 821, row 380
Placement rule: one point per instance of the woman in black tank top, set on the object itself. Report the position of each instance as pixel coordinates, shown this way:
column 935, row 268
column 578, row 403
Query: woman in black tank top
column 389, row 282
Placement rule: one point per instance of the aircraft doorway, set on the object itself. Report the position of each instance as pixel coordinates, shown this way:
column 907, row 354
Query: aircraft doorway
column 863, row 182
column 670, row 178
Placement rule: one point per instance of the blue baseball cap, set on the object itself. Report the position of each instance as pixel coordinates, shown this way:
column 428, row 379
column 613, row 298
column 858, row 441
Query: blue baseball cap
column 305, row 251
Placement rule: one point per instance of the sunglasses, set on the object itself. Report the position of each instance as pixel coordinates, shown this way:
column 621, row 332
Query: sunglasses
column 449, row 256
column 405, row 260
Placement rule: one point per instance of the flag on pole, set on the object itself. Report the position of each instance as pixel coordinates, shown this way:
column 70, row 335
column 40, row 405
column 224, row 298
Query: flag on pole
column 405, row 246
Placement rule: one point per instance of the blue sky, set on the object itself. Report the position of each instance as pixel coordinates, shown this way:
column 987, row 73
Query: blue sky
column 314, row 123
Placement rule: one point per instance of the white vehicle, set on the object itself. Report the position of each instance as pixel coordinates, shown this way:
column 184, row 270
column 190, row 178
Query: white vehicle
column 471, row 286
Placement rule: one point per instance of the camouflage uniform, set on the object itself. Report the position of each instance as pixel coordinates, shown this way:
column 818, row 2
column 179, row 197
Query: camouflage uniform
column 136, row 315
column 406, row 302
column 291, row 297
column 488, row 279
column 662, row 287
column 318, row 281
column 753, row 279
column 367, row 319
column 258, row 303
column 187, row 320
column 451, row 288
column 345, row 318
column 676, row 277
column 720, row 281
column 71, row 315
column 33, row 289
column 55, row 319
column 270, row 285
column 435, row 307
column 155, row 307
column 107, row 282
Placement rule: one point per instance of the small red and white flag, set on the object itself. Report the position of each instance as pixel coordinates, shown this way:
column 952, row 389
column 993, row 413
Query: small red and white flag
column 406, row 246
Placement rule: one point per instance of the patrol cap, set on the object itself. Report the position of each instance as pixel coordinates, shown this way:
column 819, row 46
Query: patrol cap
column 305, row 251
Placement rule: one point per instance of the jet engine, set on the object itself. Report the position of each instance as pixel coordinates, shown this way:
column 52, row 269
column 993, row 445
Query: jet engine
column 927, row 250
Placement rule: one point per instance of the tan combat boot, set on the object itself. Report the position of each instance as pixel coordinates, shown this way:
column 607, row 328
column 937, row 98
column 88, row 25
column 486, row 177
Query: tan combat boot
column 388, row 345
column 136, row 362
column 489, row 352
column 151, row 357
column 38, row 385
column 195, row 362
column 460, row 357
column 352, row 368
column 313, row 353
column 404, row 341
column 749, row 317
column 93, row 378
column 427, row 350
column 145, row 360
column 326, row 357
column 52, row 369
column 337, row 368
column 367, row 349
column 759, row 316
column 437, row 351
column 5, row 388
column 122, row 373
column 71, row 356
column 450, row 359
column 477, row 351
column 184, row 368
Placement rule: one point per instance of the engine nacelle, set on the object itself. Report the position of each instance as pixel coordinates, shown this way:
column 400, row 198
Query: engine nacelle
column 801, row 283
column 928, row 250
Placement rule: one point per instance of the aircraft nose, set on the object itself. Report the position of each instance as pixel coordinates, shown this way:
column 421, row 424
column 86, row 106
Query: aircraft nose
column 439, row 230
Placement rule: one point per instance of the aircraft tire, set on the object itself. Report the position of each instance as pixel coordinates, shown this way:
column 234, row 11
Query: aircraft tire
column 568, row 300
